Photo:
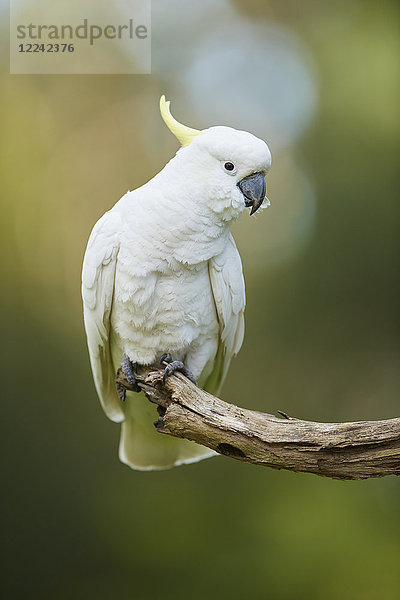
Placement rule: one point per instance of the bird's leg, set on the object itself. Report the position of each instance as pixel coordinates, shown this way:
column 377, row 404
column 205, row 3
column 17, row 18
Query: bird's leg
column 176, row 365
column 126, row 366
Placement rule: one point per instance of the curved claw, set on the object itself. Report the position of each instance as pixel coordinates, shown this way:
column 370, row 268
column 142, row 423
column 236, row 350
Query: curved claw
column 177, row 365
column 167, row 358
column 121, row 391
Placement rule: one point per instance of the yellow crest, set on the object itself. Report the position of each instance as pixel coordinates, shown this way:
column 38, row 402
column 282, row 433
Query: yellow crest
column 184, row 134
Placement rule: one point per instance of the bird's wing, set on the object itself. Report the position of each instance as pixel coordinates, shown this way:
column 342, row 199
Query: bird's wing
column 227, row 284
column 98, row 277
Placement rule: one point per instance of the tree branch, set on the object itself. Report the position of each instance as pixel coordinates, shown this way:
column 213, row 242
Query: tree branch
column 356, row 450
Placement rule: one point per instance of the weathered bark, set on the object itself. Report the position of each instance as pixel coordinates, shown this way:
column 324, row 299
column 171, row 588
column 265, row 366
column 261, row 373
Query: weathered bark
column 356, row 450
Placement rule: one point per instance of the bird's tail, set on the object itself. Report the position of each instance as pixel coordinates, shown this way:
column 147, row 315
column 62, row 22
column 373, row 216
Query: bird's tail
column 143, row 448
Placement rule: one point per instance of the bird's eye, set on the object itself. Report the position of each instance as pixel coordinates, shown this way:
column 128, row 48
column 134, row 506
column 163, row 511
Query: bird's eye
column 229, row 167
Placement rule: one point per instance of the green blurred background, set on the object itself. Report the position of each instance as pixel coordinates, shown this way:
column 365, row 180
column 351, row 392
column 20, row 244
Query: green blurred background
column 319, row 81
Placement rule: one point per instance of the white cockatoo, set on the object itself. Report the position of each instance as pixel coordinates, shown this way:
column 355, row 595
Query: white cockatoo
column 162, row 274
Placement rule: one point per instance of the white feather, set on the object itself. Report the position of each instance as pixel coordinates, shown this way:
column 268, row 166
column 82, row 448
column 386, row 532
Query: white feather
column 162, row 274
column 97, row 291
column 227, row 284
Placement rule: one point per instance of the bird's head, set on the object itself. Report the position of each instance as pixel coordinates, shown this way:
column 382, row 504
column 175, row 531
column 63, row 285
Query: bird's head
column 231, row 164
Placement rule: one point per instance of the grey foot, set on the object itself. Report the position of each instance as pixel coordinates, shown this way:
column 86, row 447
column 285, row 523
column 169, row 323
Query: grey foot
column 126, row 367
column 176, row 365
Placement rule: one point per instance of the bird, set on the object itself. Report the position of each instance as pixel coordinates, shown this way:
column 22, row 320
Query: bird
column 162, row 281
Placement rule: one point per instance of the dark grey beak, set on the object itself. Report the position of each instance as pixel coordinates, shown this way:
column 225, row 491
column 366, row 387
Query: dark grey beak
column 253, row 188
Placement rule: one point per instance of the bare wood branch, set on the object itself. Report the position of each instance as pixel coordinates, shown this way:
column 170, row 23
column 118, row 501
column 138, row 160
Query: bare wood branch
column 356, row 450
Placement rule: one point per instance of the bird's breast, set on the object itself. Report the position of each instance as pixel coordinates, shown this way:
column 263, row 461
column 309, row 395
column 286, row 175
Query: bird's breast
column 162, row 311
